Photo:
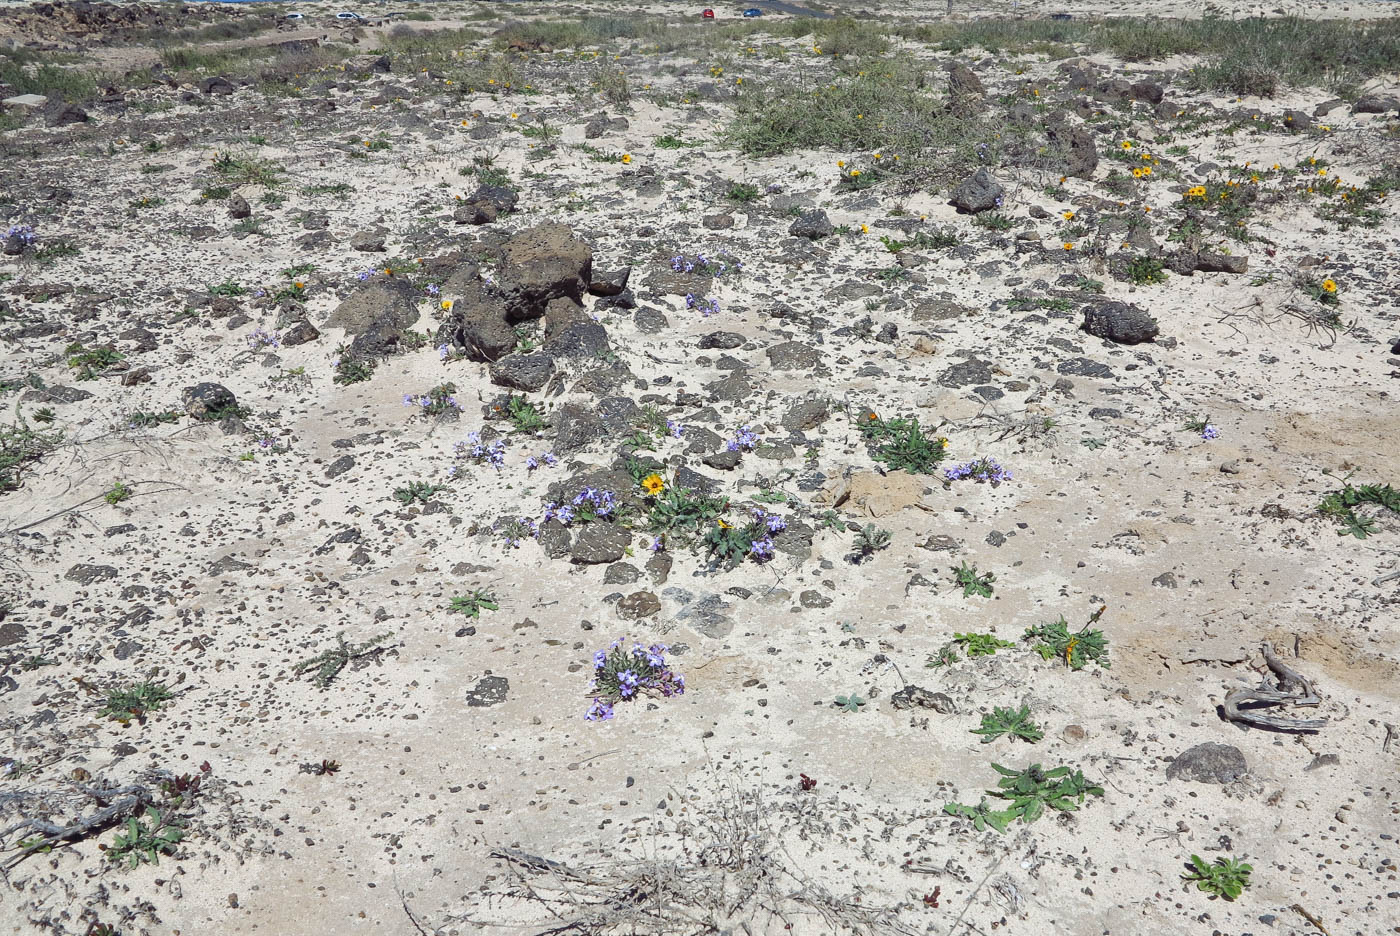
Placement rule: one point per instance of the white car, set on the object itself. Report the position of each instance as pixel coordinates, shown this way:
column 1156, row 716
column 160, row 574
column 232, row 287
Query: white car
column 348, row 16
column 294, row 16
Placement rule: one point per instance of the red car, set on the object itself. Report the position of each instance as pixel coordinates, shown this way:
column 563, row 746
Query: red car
column 707, row 14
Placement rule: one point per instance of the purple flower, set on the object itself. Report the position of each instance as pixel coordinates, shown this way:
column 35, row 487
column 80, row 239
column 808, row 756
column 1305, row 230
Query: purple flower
column 600, row 659
column 761, row 550
column 745, row 440
column 549, row 459
column 443, row 351
column 408, row 399
column 983, row 469
column 1210, row 432
column 775, row 523
column 675, row 428
column 531, row 463
column 22, row 233
column 363, row 275
column 657, row 544
column 431, row 289
column 599, row 711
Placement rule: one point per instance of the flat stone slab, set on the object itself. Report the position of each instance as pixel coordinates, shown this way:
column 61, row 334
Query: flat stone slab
column 25, row 100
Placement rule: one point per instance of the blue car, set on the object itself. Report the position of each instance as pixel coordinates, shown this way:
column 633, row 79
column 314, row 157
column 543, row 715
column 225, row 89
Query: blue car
column 753, row 11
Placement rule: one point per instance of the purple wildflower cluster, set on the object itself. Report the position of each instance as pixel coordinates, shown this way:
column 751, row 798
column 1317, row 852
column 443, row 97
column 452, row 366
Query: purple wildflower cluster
column 707, row 307
column 1210, row 432
column 431, row 289
column 745, row 440
column 676, row 429
column 493, row 454
column 983, row 469
column 513, row 531
column 622, row 674
column 364, row 274
column 588, row 504
column 765, row 524
column 706, row 266
column 533, row 462
column 262, row 338
column 444, row 352
column 22, row 234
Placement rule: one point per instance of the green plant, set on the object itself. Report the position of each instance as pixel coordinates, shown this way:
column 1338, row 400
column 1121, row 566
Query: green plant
column 55, row 250
column 900, row 444
column 1054, row 641
column 1227, row 877
column 1030, row 792
column 678, row 510
column 474, row 603
column 993, row 221
column 90, row 362
column 45, row 415
column 742, row 192
column 135, row 701
column 143, row 841
column 19, row 446
column 976, row 645
column 1340, row 505
column 228, row 288
column 849, row 703
column 523, row 415
column 215, row 192
column 120, row 491
column 869, row 540
column 671, row 141
column 728, row 544
column 329, row 663
column 350, row 370
column 420, row 491
column 1146, row 270
column 1013, row 722
column 973, row 582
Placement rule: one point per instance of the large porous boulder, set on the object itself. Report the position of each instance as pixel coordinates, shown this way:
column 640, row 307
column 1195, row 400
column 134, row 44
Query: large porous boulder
column 1072, row 148
column 476, row 325
column 963, row 81
column 1119, row 322
column 386, row 301
column 977, row 193
column 812, row 225
column 528, row 372
column 540, row 264
column 1209, row 763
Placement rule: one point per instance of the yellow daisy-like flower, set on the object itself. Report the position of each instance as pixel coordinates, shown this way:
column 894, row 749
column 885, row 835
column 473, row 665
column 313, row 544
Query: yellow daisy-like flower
column 1322, row 172
column 388, row 271
column 1329, row 286
column 942, row 442
column 876, row 155
column 298, row 284
column 840, row 164
column 653, row 484
column 855, row 173
column 1137, row 173
column 722, row 524
column 514, row 116
column 1146, row 155
column 1126, row 144
column 1068, row 215
column 626, row 158
column 1068, row 245
column 873, row 417
column 446, row 305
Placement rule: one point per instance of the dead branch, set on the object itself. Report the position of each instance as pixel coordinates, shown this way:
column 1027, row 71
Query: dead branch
column 116, row 803
column 1292, row 689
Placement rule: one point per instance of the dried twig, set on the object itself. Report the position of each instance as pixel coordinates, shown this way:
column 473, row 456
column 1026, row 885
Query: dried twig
column 1292, row 689
column 120, row 801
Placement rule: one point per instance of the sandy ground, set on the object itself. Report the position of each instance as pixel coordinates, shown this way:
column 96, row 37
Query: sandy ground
column 232, row 561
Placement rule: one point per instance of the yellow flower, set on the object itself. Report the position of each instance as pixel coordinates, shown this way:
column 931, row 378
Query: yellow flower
column 1137, row 173
column 873, row 417
column 388, row 271
column 1126, row 145
column 1068, row 246
column 865, row 229
column 855, row 173
column 840, row 164
column 1329, row 286
column 464, row 123
column 1146, row 155
column 514, row 116
column 1322, row 172
column 1068, row 215
column 722, row 524
column 653, row 484
column 626, row 158
column 942, row 442
column 298, row 285
column 876, row 155
column 446, row 305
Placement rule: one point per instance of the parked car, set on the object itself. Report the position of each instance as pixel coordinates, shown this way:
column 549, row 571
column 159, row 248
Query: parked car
column 753, row 11
column 295, row 16
column 707, row 14
column 348, row 16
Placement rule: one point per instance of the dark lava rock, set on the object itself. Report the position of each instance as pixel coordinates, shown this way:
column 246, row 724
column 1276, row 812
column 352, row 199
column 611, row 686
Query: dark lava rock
column 793, row 355
column 1209, row 763
column 638, row 605
column 341, row 465
column 969, row 372
column 720, row 340
column 205, row 399
column 977, row 193
column 811, row 598
column 1084, row 367
column 812, row 225
column 489, row 690
column 1119, row 322
column 805, row 416
column 386, row 301
column 238, row 207
column 299, row 333
column 609, row 283
column 541, row 264
column 597, row 543
column 85, row 574
column 367, row 241
column 621, row 573
column 918, row 697
column 1211, row 262
column 724, row 461
column 528, row 372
